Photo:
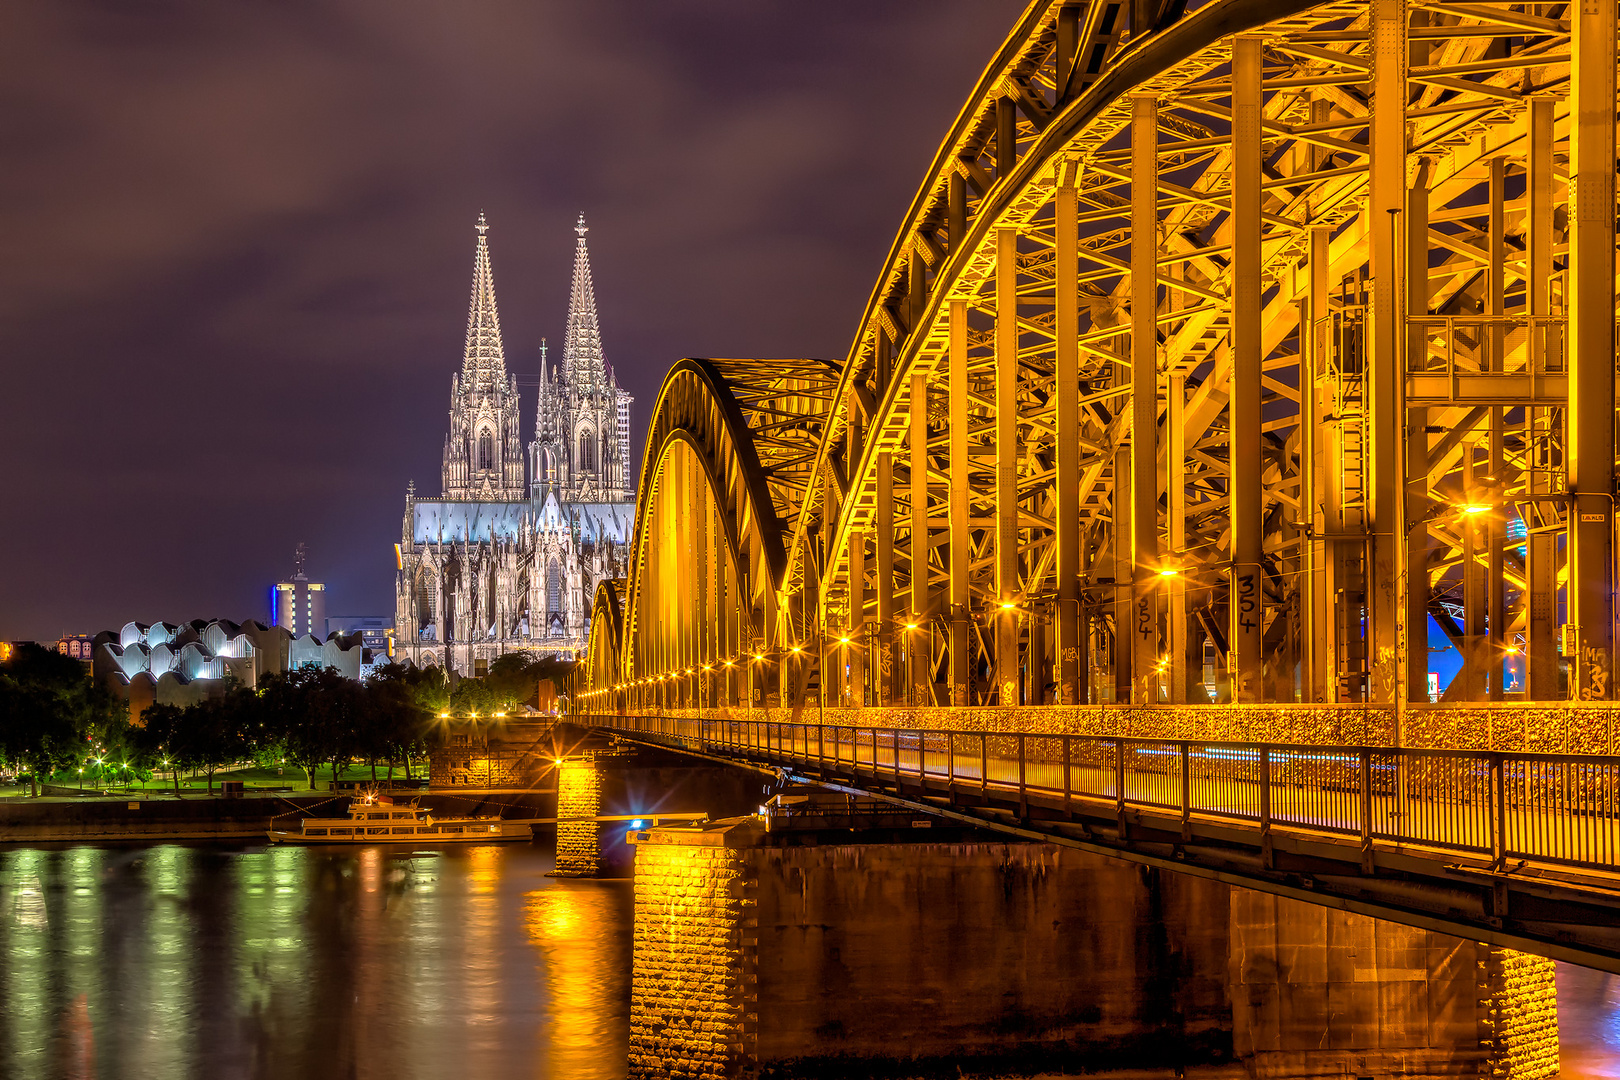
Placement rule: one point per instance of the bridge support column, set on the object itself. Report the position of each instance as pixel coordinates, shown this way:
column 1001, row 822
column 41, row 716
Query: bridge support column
column 853, row 655
column 1591, row 443
column 961, row 626
column 1496, row 357
column 888, row 669
column 919, row 658
column 1386, row 396
column 1319, row 562
column 1178, row 644
column 1069, row 674
column 1541, row 573
column 1416, row 499
column 1247, row 598
column 1006, row 620
column 579, row 796
column 1145, row 562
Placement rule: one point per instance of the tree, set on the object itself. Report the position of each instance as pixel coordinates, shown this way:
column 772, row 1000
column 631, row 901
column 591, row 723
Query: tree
column 51, row 712
column 314, row 714
column 151, row 741
column 396, row 721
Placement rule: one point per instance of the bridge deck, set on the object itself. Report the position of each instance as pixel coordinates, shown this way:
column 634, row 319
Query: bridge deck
column 1518, row 849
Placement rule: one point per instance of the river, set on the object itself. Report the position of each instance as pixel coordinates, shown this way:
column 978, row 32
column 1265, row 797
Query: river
column 468, row 962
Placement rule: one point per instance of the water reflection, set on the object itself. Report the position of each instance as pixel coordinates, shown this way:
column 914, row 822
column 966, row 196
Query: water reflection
column 587, row 975
column 1588, row 1023
column 379, row 962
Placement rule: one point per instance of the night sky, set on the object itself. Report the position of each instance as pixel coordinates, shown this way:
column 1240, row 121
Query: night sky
column 236, row 245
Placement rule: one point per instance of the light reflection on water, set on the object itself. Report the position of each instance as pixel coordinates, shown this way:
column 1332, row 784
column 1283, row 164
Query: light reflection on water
column 175, row 961
column 1588, row 1023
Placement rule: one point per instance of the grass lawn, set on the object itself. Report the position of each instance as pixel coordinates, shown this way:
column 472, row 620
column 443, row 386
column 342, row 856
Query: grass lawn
column 291, row 776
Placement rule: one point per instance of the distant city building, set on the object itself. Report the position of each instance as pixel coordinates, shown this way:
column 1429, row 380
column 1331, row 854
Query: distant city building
column 297, row 603
column 375, row 630
column 182, row 664
column 501, row 562
column 77, row 646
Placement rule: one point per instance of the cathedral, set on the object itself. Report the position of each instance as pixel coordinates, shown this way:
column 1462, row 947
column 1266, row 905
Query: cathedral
column 508, row 557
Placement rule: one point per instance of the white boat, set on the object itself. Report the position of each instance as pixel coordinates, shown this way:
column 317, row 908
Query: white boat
column 379, row 820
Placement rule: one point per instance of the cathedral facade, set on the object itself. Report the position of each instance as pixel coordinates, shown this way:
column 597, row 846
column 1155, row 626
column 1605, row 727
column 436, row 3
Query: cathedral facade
column 507, row 558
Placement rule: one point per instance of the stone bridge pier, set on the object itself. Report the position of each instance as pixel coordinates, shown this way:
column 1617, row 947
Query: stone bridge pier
column 850, row 940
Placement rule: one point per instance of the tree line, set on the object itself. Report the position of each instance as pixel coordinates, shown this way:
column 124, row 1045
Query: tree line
column 55, row 721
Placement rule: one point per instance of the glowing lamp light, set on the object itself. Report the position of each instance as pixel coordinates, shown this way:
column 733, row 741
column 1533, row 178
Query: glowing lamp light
column 1512, row 650
column 557, row 761
column 759, row 656
column 843, row 641
column 1476, row 508
column 1007, row 605
column 728, row 663
column 911, row 626
column 1170, row 571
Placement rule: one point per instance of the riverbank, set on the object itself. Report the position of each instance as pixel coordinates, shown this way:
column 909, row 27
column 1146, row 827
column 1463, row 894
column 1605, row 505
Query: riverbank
column 69, row 819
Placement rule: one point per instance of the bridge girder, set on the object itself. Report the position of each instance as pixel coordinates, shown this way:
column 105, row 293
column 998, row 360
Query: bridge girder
column 1372, row 311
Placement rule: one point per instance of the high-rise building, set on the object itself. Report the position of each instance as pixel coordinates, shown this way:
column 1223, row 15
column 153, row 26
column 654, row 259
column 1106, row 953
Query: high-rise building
column 297, row 603
column 499, row 562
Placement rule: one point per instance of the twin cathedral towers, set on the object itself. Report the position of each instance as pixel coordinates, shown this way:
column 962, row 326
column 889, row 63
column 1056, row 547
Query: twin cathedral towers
column 509, row 556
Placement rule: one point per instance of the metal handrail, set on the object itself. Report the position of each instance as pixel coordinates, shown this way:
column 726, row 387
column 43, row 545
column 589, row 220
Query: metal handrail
column 1500, row 805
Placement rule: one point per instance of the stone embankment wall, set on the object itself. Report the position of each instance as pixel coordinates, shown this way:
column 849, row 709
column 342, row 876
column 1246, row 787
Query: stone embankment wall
column 78, row 820
column 754, row 956
column 163, row 817
column 1323, row 993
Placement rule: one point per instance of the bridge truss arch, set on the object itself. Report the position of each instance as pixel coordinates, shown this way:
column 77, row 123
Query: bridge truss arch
column 725, row 461
column 1380, row 352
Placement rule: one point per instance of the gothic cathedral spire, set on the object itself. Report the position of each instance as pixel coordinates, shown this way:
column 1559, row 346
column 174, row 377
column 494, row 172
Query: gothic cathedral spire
column 485, row 361
column 582, row 340
column 483, row 452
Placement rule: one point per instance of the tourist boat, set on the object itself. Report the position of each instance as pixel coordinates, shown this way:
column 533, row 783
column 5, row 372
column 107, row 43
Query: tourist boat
column 379, row 820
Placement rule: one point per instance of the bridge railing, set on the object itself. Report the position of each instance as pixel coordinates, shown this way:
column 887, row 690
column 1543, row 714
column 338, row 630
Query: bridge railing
column 1545, row 808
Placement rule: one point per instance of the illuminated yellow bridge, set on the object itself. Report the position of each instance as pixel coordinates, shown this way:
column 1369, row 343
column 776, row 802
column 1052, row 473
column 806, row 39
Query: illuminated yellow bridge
column 1229, row 355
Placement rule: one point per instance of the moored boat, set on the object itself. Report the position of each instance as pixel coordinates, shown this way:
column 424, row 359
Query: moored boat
column 379, row 820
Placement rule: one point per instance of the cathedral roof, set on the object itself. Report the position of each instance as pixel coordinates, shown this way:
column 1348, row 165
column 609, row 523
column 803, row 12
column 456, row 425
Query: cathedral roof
column 485, row 361
column 458, row 520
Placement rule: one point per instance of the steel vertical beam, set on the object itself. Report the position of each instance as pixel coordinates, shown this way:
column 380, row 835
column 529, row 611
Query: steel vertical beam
column 854, row 655
column 1144, row 630
column 1247, row 591
column 1591, row 413
column 1175, row 483
column 919, row 662
column 1066, row 379
column 1496, row 523
column 888, row 669
column 1316, row 664
column 1386, row 330
column 1119, row 548
column 961, row 626
column 1007, row 460
column 1417, row 447
column 1541, row 549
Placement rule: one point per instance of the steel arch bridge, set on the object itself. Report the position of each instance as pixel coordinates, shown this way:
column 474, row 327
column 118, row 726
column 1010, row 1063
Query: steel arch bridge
column 1247, row 338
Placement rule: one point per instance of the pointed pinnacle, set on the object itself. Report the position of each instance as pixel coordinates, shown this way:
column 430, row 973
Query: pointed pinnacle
column 580, row 228
column 483, row 226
